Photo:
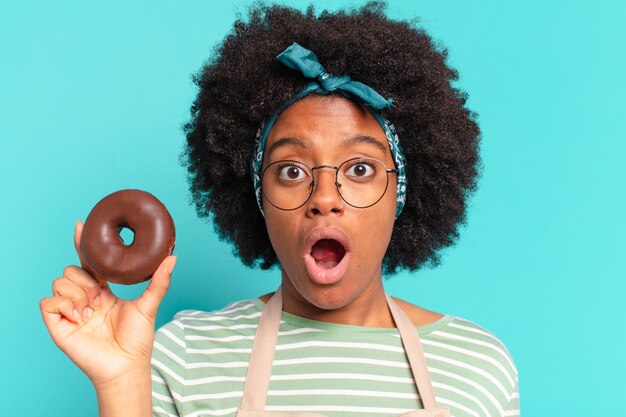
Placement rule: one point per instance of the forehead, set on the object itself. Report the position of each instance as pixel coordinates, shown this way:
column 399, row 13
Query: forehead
column 326, row 123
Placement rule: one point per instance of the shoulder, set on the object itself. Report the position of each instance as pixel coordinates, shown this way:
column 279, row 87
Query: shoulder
column 462, row 351
column 419, row 316
column 456, row 332
column 463, row 355
column 187, row 323
column 467, row 336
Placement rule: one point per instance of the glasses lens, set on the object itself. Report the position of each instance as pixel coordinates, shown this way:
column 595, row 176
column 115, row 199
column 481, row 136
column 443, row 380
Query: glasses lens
column 287, row 184
column 362, row 181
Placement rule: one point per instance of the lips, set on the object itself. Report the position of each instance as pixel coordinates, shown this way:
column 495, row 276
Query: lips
column 327, row 254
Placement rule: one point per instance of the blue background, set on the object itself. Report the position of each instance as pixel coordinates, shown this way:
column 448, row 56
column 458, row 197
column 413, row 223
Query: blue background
column 92, row 99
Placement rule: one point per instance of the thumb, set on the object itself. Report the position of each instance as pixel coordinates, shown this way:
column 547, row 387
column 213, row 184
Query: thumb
column 78, row 232
column 149, row 301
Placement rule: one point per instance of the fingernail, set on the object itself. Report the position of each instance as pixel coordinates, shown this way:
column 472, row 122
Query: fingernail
column 87, row 312
column 96, row 302
column 76, row 315
column 77, row 221
column 172, row 264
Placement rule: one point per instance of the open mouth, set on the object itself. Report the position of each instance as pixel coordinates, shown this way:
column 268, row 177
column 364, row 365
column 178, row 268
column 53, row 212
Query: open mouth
column 327, row 253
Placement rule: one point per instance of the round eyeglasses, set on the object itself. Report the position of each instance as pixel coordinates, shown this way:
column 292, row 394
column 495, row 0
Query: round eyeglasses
column 361, row 182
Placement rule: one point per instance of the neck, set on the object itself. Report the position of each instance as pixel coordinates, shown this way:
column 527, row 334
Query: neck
column 335, row 304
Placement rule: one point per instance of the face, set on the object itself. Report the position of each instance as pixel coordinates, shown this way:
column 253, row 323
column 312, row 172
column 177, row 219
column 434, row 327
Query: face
column 330, row 252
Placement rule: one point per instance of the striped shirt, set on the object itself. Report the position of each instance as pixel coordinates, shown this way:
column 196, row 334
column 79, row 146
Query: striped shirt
column 200, row 360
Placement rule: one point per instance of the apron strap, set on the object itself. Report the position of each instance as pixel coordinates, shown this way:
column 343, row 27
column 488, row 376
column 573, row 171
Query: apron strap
column 413, row 348
column 262, row 355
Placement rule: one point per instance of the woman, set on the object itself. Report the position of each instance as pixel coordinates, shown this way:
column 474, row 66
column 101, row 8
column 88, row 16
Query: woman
column 342, row 199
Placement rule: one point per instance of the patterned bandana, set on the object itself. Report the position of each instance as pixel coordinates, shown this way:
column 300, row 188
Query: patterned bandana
column 299, row 58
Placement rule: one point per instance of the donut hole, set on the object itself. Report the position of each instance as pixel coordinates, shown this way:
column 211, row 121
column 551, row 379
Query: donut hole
column 127, row 235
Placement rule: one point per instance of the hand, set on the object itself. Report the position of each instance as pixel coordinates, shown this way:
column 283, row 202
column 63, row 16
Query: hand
column 106, row 337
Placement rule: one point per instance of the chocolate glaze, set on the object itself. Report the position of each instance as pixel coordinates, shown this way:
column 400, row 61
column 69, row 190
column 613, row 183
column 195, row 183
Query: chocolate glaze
column 104, row 251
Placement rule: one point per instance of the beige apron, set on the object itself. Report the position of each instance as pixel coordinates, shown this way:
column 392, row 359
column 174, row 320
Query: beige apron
column 262, row 355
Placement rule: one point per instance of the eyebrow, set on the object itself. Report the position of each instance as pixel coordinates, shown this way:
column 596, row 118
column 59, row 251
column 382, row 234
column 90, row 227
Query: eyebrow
column 287, row 141
column 366, row 140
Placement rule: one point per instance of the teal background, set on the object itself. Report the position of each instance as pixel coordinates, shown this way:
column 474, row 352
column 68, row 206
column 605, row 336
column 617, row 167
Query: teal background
column 92, row 99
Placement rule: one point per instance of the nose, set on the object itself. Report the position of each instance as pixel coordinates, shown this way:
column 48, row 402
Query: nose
column 325, row 198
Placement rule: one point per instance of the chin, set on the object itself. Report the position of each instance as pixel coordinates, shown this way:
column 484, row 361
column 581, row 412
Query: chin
column 324, row 296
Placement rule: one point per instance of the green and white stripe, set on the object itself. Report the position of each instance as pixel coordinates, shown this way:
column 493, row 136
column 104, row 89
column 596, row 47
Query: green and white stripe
column 200, row 360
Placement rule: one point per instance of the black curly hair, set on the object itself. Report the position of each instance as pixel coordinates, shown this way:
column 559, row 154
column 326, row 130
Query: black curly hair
column 242, row 84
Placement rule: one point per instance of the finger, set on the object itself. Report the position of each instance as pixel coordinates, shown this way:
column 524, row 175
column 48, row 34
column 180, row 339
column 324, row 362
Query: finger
column 64, row 287
column 55, row 309
column 94, row 289
column 149, row 301
column 78, row 231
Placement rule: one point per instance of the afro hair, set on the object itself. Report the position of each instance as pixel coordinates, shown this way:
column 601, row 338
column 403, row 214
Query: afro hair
column 242, row 84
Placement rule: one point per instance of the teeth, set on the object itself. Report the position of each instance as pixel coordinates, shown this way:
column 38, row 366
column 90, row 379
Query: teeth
column 327, row 264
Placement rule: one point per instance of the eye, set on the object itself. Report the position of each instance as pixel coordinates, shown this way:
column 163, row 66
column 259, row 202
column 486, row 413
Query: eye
column 290, row 172
column 361, row 170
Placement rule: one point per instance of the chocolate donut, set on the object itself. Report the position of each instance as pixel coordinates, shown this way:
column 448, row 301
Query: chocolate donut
column 104, row 251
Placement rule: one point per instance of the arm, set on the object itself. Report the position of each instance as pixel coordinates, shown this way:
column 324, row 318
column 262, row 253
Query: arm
column 130, row 395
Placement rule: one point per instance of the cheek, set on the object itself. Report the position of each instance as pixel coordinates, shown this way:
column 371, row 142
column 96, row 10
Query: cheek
column 374, row 231
column 383, row 219
column 282, row 232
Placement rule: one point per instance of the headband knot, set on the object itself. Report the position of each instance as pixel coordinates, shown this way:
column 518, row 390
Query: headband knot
column 331, row 82
column 299, row 58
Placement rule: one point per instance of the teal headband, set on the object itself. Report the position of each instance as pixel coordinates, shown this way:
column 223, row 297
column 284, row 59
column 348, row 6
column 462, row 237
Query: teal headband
column 298, row 58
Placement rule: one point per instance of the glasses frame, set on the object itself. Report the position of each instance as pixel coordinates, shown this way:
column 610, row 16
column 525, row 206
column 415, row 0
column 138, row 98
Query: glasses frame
column 337, row 184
